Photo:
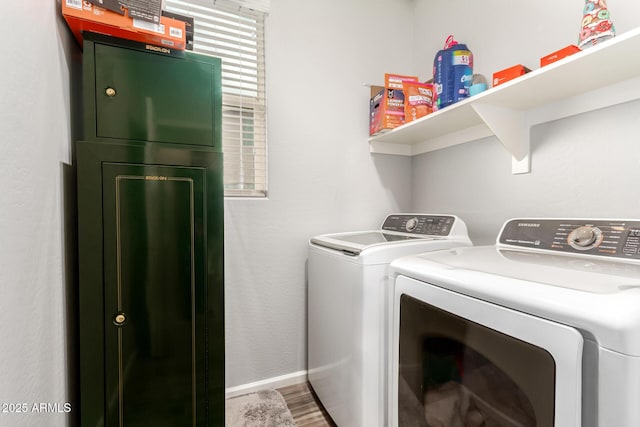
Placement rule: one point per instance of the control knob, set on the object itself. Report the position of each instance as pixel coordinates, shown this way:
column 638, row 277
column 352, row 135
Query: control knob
column 411, row 224
column 584, row 238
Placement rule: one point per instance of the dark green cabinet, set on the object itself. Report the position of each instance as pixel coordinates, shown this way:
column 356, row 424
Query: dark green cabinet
column 151, row 298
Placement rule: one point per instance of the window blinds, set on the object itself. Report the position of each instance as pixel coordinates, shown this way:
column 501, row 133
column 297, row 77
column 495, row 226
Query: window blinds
column 234, row 31
column 257, row 5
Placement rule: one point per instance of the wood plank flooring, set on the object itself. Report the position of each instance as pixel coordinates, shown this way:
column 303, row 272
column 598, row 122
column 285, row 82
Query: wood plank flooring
column 305, row 407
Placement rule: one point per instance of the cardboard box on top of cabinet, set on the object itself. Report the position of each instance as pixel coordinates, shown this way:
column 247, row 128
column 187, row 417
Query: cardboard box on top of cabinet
column 147, row 10
column 84, row 16
column 510, row 73
column 386, row 106
column 189, row 26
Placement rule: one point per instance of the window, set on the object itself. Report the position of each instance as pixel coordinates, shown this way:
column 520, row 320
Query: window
column 234, row 31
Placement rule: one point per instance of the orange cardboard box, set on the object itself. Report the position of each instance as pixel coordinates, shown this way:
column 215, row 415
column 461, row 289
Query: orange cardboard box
column 386, row 106
column 507, row 74
column 418, row 100
column 559, row 54
column 84, row 16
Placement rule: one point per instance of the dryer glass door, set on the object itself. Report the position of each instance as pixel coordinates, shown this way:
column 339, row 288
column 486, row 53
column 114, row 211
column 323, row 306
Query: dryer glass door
column 464, row 374
column 461, row 361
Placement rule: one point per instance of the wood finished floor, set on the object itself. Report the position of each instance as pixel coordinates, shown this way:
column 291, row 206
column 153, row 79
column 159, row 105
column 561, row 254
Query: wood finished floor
column 305, row 407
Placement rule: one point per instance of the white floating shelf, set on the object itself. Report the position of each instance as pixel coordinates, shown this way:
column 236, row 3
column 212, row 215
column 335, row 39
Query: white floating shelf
column 595, row 78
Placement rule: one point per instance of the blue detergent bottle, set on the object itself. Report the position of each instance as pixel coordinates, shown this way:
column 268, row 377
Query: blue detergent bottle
column 452, row 73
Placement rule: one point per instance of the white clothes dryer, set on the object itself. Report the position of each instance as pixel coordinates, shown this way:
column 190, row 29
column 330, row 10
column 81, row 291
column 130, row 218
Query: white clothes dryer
column 348, row 300
column 542, row 329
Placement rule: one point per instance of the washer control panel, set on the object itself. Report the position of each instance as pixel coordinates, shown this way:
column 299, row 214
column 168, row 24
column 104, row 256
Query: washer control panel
column 610, row 238
column 431, row 225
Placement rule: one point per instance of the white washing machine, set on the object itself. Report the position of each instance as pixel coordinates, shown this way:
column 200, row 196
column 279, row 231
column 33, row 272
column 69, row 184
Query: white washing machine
column 542, row 329
column 348, row 300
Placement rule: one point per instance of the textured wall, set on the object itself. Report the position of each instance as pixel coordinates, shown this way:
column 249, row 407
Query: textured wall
column 322, row 177
column 582, row 166
column 36, row 185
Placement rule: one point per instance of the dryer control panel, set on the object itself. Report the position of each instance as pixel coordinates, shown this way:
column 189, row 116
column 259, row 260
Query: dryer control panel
column 432, row 225
column 609, row 238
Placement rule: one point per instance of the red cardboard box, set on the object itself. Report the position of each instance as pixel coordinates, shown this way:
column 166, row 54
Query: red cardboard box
column 507, row 74
column 559, row 54
column 386, row 106
column 84, row 16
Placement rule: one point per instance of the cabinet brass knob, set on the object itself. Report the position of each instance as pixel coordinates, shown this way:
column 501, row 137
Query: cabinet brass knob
column 111, row 92
column 120, row 318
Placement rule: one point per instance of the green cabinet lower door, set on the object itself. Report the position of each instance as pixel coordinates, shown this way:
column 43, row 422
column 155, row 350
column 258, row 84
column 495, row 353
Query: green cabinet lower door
column 152, row 265
column 156, row 293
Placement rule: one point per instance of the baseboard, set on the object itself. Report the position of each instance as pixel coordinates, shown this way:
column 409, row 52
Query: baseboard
column 268, row 383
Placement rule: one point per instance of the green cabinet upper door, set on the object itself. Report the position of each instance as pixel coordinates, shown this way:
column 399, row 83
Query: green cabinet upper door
column 138, row 95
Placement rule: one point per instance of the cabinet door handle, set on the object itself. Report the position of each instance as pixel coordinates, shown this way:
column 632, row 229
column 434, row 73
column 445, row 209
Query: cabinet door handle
column 119, row 319
column 111, row 92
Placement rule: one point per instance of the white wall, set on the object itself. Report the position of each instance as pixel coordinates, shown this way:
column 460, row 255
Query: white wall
column 322, row 177
column 582, row 166
column 34, row 175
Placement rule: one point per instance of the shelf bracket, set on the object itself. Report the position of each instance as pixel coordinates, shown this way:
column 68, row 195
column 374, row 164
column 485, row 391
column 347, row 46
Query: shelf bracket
column 510, row 127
